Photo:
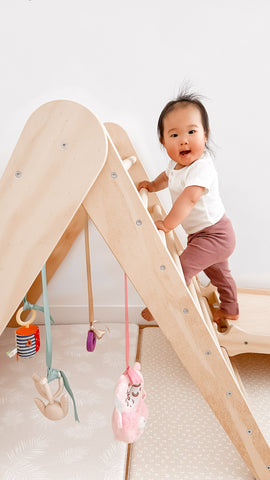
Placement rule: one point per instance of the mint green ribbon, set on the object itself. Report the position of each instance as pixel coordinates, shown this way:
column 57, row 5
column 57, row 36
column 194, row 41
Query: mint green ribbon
column 30, row 306
column 53, row 373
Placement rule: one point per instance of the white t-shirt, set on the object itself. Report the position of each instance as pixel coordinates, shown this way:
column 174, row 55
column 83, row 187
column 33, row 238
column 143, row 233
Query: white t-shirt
column 209, row 209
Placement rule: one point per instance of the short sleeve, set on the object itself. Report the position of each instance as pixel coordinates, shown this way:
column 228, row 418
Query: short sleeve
column 201, row 173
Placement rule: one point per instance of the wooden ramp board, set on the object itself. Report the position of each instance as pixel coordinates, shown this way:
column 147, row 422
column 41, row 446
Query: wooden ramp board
column 251, row 333
column 182, row 439
column 130, row 233
column 58, row 157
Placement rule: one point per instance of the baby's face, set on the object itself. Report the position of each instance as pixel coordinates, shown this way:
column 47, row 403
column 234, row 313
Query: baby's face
column 184, row 137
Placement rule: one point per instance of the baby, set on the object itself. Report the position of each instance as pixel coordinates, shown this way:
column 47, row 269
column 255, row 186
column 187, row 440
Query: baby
column 183, row 129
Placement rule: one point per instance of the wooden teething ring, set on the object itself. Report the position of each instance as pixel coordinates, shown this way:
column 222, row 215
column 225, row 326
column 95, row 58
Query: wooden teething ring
column 28, row 322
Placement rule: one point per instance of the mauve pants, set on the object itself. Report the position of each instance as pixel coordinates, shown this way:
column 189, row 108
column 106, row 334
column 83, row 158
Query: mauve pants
column 208, row 250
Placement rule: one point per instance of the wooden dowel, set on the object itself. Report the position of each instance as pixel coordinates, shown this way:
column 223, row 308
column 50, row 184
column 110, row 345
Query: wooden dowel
column 128, row 162
column 144, row 196
column 169, row 241
column 174, row 252
column 158, row 215
column 207, row 317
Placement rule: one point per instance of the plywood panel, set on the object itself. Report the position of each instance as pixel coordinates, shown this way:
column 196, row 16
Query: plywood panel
column 56, row 160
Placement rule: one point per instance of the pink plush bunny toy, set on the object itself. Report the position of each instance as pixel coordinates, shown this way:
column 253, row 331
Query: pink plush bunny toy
column 130, row 412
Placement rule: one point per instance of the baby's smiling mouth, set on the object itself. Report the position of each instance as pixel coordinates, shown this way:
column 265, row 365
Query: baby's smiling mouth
column 184, row 153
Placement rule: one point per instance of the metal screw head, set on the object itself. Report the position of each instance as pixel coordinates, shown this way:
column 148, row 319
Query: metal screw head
column 245, row 343
column 114, row 175
column 249, row 431
column 138, row 223
column 18, row 174
column 64, row 145
column 162, row 267
column 185, row 310
column 207, row 352
column 229, row 394
column 268, row 467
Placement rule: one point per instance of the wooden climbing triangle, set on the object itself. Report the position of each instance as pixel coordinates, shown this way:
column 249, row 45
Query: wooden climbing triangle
column 62, row 164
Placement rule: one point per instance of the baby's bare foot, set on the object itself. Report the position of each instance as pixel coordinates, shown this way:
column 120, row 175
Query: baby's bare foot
column 147, row 315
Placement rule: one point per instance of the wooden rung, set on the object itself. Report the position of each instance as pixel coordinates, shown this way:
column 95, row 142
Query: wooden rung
column 169, row 240
column 144, row 196
column 207, row 317
column 128, row 162
column 174, row 252
column 162, row 236
column 193, row 292
column 158, row 216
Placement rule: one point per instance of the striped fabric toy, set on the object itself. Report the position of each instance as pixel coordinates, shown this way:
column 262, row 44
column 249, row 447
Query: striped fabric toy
column 27, row 336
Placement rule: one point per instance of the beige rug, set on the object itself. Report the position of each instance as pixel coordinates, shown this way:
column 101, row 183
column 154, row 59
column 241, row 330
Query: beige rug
column 183, row 440
column 35, row 448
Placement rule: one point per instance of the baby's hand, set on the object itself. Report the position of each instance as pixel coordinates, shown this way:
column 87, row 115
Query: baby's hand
column 160, row 226
column 145, row 184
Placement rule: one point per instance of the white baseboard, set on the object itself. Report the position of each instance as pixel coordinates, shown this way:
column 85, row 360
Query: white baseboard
column 70, row 314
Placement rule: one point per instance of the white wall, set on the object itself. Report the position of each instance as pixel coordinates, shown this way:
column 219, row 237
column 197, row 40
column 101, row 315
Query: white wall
column 124, row 60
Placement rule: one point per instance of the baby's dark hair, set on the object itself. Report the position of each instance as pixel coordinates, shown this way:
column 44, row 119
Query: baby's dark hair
column 185, row 99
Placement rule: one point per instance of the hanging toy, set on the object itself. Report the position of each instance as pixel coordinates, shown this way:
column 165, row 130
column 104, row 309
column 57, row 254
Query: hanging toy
column 130, row 412
column 91, row 340
column 94, row 333
column 54, row 410
column 27, row 336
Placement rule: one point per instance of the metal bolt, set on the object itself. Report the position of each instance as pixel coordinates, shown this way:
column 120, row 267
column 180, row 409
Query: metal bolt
column 114, row 175
column 249, row 431
column 185, row 310
column 162, row 267
column 18, row 174
column 138, row 223
column 268, row 467
column 207, row 352
column 64, row 145
column 229, row 394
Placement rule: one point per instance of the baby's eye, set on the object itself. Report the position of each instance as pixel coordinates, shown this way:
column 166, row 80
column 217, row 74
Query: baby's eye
column 173, row 135
column 191, row 132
